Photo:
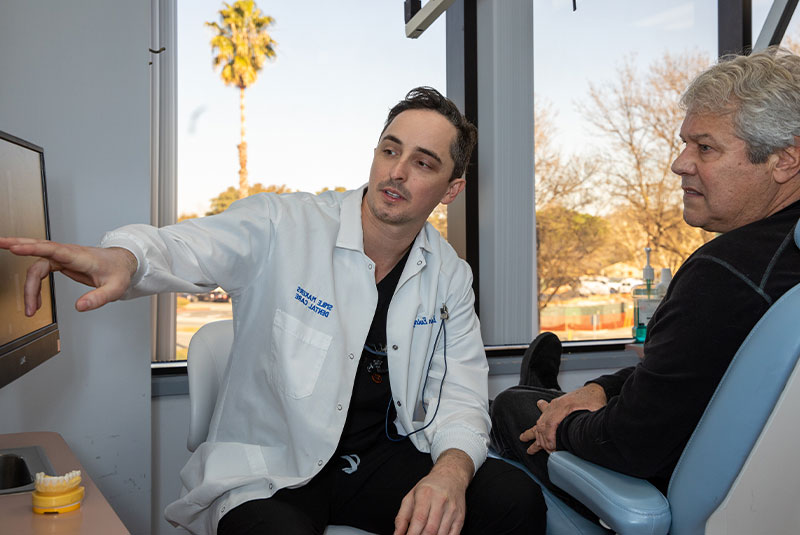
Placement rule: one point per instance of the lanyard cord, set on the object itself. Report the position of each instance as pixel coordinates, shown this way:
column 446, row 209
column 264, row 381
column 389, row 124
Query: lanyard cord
column 442, row 330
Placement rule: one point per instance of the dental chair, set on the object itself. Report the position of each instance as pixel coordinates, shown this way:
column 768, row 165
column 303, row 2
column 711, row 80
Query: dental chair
column 207, row 358
column 755, row 403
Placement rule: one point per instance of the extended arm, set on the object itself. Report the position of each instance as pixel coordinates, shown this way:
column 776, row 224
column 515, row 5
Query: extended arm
column 109, row 271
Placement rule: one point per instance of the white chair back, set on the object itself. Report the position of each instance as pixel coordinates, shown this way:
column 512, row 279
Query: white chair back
column 207, row 358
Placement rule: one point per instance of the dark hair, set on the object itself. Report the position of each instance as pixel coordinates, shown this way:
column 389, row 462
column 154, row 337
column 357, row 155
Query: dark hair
column 427, row 98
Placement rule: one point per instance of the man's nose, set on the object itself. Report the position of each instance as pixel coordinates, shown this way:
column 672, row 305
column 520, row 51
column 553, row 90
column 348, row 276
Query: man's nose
column 682, row 164
column 399, row 170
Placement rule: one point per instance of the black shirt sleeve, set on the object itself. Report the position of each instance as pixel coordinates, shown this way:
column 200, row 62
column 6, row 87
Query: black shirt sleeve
column 612, row 383
column 693, row 335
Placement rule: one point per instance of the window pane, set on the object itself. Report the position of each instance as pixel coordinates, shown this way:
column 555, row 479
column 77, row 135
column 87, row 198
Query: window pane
column 791, row 38
column 607, row 79
column 312, row 117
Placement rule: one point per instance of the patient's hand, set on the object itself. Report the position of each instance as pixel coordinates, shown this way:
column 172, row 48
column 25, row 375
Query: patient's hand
column 108, row 270
column 590, row 397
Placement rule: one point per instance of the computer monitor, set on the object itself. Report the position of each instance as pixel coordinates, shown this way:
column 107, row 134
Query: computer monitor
column 24, row 342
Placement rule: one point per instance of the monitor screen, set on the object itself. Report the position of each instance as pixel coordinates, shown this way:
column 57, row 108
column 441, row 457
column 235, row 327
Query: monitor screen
column 24, row 342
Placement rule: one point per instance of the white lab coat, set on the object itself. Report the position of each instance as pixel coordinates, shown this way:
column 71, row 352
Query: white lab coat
column 304, row 296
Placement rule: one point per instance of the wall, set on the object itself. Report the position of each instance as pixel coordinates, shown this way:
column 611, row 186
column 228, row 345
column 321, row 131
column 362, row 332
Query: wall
column 170, row 429
column 75, row 81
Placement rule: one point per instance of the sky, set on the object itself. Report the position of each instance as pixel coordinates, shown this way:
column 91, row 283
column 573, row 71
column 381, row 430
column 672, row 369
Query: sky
column 314, row 115
column 574, row 49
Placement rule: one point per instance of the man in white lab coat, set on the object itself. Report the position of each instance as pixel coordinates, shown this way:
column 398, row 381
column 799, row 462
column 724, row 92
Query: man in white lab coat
column 305, row 434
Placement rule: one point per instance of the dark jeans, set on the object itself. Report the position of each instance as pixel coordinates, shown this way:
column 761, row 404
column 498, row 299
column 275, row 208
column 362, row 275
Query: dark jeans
column 500, row 500
column 513, row 411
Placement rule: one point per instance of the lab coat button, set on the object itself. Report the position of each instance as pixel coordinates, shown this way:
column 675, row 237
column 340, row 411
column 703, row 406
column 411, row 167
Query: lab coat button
column 339, row 406
column 419, row 262
column 369, row 266
column 352, row 356
column 394, row 347
column 399, row 404
column 270, row 486
column 319, row 463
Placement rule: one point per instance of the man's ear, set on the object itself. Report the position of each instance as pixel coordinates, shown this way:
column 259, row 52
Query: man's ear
column 788, row 163
column 455, row 187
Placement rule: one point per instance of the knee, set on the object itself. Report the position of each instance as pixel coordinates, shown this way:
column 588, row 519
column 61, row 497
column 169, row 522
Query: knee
column 501, row 403
column 525, row 509
column 513, row 501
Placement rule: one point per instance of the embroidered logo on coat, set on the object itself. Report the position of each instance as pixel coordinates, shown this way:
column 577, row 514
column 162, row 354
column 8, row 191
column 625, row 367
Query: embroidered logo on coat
column 313, row 302
column 354, row 461
column 425, row 320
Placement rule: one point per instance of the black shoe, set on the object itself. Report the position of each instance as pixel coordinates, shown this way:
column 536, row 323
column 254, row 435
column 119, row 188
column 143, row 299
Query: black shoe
column 541, row 362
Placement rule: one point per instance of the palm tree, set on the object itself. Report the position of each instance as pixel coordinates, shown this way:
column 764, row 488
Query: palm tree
column 241, row 47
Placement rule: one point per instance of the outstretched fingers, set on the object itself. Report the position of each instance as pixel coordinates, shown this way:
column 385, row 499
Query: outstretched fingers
column 33, row 286
column 108, row 270
column 110, row 290
column 62, row 257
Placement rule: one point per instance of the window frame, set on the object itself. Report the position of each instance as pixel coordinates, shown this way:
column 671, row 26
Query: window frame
column 465, row 21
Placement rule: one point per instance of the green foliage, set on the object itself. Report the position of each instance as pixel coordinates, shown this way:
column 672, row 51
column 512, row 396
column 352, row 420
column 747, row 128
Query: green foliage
column 184, row 217
column 221, row 202
column 568, row 246
column 242, row 43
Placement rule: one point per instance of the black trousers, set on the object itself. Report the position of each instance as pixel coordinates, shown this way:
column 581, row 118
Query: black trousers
column 501, row 499
column 513, row 411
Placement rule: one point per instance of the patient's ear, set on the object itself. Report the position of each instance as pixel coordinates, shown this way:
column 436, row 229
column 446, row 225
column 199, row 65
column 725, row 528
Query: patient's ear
column 787, row 165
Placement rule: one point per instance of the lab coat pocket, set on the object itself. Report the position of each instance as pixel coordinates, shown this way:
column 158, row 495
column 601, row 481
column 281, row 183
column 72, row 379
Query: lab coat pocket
column 298, row 352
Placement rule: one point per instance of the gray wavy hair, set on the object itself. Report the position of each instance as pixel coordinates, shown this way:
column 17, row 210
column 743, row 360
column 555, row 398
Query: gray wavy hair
column 762, row 91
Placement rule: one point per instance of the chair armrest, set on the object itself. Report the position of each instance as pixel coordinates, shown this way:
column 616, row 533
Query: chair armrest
column 629, row 505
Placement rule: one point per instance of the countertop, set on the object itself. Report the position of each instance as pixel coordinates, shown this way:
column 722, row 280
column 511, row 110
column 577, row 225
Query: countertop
column 95, row 515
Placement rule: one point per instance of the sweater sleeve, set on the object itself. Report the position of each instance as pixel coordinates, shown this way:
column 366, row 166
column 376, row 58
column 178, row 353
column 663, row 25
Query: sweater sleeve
column 643, row 430
column 612, row 383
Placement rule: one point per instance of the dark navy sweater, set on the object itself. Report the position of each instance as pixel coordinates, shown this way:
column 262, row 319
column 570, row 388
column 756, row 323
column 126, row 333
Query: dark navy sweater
column 715, row 299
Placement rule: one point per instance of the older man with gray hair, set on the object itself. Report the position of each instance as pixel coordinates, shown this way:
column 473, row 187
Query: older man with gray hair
column 740, row 176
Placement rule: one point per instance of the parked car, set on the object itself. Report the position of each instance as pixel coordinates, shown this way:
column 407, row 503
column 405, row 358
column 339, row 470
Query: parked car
column 593, row 287
column 218, row 295
column 614, row 286
column 626, row 285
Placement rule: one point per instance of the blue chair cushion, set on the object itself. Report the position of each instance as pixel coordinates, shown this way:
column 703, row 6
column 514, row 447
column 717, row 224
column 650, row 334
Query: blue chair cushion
column 561, row 518
column 628, row 505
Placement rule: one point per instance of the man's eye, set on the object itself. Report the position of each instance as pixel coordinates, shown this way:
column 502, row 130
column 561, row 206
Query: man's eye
column 390, row 152
column 704, row 148
column 424, row 164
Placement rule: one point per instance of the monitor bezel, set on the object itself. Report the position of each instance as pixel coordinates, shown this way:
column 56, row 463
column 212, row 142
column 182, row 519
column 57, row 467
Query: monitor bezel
column 21, row 355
